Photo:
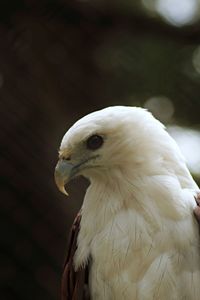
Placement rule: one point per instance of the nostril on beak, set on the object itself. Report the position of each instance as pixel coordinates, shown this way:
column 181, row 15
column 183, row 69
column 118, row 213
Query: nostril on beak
column 67, row 158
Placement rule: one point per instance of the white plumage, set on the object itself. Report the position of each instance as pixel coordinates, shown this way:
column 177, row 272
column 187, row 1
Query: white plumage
column 137, row 222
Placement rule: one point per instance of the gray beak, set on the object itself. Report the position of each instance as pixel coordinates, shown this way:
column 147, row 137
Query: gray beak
column 64, row 171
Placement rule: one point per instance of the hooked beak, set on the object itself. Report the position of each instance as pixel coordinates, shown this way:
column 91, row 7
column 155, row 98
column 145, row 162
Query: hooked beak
column 64, row 171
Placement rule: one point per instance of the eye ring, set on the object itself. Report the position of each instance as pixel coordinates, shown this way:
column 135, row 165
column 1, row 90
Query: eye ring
column 94, row 142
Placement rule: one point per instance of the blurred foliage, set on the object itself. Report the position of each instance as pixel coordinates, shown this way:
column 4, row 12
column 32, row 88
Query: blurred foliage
column 58, row 61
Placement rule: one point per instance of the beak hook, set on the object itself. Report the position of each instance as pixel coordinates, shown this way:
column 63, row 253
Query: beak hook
column 62, row 174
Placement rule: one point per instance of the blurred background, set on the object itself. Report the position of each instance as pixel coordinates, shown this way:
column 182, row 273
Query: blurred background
column 58, row 61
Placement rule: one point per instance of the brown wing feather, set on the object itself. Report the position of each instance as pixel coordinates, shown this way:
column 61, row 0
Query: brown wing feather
column 74, row 284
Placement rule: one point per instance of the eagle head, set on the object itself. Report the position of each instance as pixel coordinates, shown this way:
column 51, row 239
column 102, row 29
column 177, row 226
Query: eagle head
column 111, row 141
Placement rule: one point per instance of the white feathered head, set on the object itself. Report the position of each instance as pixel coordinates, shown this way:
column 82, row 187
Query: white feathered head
column 115, row 139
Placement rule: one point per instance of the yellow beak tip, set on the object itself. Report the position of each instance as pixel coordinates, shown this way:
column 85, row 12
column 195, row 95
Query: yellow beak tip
column 62, row 189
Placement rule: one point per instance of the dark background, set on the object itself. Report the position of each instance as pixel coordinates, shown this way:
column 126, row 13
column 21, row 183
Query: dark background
column 58, row 61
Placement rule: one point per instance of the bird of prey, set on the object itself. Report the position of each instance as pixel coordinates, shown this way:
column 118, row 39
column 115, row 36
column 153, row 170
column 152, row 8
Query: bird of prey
column 136, row 233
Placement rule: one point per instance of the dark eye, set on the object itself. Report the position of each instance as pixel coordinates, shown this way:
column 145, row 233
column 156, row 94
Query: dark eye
column 94, row 142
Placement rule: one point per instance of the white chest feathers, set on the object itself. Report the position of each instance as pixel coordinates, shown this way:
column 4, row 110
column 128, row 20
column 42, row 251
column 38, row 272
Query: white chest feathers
column 140, row 252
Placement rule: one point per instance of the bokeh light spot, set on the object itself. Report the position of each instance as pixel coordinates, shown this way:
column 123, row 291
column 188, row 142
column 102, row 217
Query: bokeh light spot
column 177, row 12
column 149, row 4
column 196, row 59
column 161, row 107
column 189, row 143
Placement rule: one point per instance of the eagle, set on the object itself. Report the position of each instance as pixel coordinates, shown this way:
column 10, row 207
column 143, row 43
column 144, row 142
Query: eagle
column 135, row 237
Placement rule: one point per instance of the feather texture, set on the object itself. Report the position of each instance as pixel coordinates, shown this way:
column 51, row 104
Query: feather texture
column 137, row 220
